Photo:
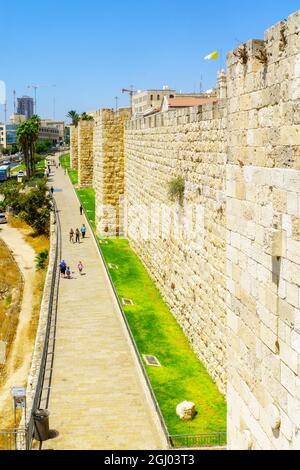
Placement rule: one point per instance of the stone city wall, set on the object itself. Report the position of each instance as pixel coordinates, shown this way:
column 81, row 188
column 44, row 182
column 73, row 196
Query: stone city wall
column 74, row 147
column 234, row 286
column 189, row 144
column 85, row 154
column 109, row 169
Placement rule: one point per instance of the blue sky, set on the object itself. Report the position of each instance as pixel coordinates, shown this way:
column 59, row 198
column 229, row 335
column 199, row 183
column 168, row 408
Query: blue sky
column 91, row 49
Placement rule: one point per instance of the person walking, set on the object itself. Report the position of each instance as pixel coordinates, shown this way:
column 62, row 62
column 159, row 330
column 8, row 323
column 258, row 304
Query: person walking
column 68, row 272
column 80, row 267
column 81, row 209
column 52, row 190
column 63, row 267
column 77, row 236
column 83, row 230
column 71, row 235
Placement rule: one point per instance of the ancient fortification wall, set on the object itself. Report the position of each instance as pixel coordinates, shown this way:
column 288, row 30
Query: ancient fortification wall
column 233, row 279
column 191, row 144
column 263, row 240
column 85, row 153
column 109, row 169
column 74, row 147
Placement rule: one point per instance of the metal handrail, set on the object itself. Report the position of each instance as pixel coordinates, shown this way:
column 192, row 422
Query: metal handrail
column 41, row 376
column 213, row 439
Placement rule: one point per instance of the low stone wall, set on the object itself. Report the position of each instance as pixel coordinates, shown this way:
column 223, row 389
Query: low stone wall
column 42, row 326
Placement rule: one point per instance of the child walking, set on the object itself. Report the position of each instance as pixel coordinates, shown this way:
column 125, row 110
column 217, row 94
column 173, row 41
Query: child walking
column 80, row 267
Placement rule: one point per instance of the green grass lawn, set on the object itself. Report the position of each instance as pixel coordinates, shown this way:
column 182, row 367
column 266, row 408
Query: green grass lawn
column 19, row 168
column 87, row 199
column 156, row 332
column 40, row 167
column 65, row 163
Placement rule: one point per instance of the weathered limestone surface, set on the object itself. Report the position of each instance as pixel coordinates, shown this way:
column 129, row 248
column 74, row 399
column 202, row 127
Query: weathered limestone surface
column 85, row 153
column 262, row 238
column 74, row 147
column 109, row 169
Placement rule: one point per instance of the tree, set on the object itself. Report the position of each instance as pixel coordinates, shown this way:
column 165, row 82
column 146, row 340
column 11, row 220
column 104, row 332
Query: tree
column 35, row 123
column 43, row 146
column 23, row 139
column 27, row 135
column 86, row 117
column 74, row 116
column 35, row 208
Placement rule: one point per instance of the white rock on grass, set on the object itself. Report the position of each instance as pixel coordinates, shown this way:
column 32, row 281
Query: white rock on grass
column 186, row 410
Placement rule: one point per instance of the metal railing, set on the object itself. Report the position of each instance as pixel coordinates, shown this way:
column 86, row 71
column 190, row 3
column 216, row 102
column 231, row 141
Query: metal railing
column 217, row 439
column 13, row 439
column 51, row 321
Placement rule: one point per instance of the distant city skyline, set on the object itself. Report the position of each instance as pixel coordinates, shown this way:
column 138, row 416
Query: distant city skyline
column 92, row 50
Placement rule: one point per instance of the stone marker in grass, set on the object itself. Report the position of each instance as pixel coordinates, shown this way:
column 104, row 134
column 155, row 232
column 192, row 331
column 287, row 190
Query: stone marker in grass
column 186, row 410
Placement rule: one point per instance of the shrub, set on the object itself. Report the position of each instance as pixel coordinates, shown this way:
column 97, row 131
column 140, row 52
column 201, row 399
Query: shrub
column 41, row 259
column 31, row 204
column 176, row 189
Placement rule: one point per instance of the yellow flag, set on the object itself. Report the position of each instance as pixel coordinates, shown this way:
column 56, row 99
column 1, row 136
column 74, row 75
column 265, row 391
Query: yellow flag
column 213, row 56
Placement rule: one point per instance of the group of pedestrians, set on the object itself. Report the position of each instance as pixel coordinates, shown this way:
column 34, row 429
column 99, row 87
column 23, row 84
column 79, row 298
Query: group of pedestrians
column 65, row 270
column 77, row 234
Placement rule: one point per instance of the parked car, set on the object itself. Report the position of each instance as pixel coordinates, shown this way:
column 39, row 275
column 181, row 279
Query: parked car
column 3, row 219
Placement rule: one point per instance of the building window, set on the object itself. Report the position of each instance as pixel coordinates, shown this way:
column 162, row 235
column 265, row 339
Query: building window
column 151, row 97
column 158, row 97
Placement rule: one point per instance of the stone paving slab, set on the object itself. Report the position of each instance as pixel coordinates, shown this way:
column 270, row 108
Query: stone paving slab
column 97, row 398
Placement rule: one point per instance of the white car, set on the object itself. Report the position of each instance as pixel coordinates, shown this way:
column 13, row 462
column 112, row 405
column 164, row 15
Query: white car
column 21, row 173
column 3, row 219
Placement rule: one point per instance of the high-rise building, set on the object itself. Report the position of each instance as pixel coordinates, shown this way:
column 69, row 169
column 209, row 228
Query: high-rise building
column 25, row 106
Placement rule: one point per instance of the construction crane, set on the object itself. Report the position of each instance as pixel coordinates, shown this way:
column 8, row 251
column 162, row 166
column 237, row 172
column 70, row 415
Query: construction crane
column 131, row 92
column 35, row 87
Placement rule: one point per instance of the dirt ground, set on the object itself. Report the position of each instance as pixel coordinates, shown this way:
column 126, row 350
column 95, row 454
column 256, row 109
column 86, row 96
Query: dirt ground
column 24, row 246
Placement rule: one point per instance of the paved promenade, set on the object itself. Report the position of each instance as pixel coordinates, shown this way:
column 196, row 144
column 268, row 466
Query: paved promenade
column 97, row 399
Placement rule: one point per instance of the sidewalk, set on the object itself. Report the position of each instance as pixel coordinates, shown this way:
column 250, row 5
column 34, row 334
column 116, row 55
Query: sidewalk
column 97, row 399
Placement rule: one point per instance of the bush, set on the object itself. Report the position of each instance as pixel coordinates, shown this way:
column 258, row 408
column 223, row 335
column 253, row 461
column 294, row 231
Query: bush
column 43, row 146
column 31, row 204
column 41, row 259
column 176, row 189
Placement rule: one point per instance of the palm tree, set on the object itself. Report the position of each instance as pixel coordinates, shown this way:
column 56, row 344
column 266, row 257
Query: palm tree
column 74, row 116
column 35, row 123
column 27, row 135
column 86, row 117
column 23, row 139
